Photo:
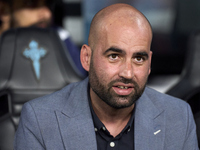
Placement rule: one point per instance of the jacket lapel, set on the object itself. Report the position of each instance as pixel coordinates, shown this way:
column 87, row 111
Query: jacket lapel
column 77, row 132
column 149, row 125
column 77, row 129
column 75, row 121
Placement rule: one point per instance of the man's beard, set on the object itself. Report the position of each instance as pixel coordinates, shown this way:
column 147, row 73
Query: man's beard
column 109, row 96
column 42, row 24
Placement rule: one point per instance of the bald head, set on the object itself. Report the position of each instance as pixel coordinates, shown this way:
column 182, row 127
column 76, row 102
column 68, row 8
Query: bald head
column 119, row 15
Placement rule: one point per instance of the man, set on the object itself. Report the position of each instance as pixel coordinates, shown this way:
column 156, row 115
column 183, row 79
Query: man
column 37, row 13
column 112, row 109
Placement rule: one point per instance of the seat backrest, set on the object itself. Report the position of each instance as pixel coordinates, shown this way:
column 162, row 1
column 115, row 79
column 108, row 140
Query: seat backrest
column 33, row 63
column 188, row 88
column 190, row 76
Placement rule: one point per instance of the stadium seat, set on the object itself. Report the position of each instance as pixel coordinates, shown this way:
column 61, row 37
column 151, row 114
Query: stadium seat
column 33, row 63
column 188, row 87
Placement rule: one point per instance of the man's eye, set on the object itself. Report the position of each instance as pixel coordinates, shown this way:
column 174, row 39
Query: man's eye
column 113, row 56
column 139, row 59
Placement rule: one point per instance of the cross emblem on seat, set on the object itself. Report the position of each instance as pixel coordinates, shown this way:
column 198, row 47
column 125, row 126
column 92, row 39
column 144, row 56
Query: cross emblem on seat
column 35, row 54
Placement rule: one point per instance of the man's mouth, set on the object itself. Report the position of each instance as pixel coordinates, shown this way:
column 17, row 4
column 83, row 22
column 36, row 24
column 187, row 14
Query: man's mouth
column 123, row 89
column 42, row 24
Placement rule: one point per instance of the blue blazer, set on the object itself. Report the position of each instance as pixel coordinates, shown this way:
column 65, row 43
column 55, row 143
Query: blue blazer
column 63, row 121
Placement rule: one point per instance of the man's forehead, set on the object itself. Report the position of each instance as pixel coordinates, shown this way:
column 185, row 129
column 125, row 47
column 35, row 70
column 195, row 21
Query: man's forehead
column 125, row 34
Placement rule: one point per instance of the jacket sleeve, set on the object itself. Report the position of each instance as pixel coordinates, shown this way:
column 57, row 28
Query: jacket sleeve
column 28, row 135
column 191, row 138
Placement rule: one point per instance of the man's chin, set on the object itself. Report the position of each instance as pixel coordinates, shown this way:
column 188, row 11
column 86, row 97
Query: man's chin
column 121, row 102
column 41, row 25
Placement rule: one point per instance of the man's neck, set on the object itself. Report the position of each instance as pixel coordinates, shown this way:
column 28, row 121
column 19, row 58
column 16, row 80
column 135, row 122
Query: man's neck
column 114, row 120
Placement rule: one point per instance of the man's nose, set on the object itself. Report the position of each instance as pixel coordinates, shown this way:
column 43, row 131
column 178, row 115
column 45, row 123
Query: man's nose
column 126, row 70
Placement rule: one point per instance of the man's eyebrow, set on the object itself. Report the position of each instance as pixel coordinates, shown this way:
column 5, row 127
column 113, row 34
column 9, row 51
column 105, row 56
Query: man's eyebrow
column 118, row 50
column 142, row 54
column 114, row 49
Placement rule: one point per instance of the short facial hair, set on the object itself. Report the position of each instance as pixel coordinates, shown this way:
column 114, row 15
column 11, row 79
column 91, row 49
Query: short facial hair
column 106, row 94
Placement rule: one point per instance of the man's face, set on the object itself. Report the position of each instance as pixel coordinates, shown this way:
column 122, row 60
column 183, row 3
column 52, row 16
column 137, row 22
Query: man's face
column 25, row 17
column 120, row 65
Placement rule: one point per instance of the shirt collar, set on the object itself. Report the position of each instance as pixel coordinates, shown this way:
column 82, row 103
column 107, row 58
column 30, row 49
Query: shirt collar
column 99, row 125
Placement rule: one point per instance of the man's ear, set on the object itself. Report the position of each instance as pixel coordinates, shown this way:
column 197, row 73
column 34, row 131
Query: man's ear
column 85, row 56
column 150, row 58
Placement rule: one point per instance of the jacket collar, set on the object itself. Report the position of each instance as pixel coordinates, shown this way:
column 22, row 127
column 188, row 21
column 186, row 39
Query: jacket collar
column 149, row 123
column 77, row 100
column 75, row 120
column 76, row 124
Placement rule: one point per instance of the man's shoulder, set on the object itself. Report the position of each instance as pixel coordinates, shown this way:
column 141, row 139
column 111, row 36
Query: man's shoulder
column 165, row 100
column 57, row 99
column 173, row 108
